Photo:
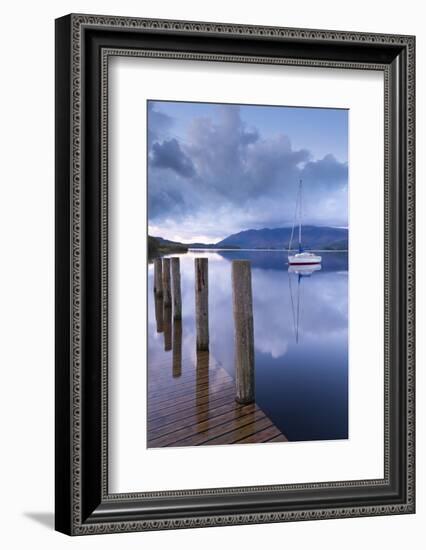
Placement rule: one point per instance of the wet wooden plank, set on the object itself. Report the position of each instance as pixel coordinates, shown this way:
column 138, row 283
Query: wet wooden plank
column 202, row 438
column 190, row 411
column 199, row 408
column 178, row 396
column 280, row 437
column 167, row 427
column 236, row 435
column 175, row 392
column 265, row 435
column 194, row 402
column 199, row 427
column 197, row 395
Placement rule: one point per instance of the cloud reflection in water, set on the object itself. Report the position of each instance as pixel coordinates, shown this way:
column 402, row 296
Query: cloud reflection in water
column 302, row 386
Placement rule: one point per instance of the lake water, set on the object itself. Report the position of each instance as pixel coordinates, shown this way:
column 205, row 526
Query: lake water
column 300, row 331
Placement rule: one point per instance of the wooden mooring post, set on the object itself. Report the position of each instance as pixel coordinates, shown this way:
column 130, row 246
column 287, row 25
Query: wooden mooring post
column 202, row 303
column 167, row 292
column 244, row 332
column 177, row 297
column 158, row 277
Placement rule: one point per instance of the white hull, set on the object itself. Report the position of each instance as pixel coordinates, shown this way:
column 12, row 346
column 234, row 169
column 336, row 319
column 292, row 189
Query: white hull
column 304, row 258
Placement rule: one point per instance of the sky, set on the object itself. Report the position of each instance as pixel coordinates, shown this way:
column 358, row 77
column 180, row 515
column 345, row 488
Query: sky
column 217, row 169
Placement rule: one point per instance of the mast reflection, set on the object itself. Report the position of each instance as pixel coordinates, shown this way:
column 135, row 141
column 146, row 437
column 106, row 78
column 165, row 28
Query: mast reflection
column 300, row 272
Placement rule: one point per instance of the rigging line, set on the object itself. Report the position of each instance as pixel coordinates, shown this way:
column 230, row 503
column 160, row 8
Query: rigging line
column 301, row 302
column 300, row 215
column 298, row 307
column 290, row 286
column 294, row 221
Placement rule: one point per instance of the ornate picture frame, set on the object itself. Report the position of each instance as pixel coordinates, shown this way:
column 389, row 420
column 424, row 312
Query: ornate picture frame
column 84, row 44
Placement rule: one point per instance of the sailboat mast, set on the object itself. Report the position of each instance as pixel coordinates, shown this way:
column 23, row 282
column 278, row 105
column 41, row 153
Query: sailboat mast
column 300, row 216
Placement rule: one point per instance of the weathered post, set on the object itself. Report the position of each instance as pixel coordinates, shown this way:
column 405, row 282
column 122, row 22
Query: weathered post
column 202, row 303
column 243, row 330
column 177, row 349
column 177, row 297
column 167, row 293
column 158, row 277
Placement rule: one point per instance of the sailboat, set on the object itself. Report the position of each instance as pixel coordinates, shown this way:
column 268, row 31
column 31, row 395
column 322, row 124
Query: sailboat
column 302, row 257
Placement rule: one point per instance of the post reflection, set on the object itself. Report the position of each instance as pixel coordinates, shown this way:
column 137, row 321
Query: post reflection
column 159, row 312
column 167, row 325
column 177, row 349
column 202, row 382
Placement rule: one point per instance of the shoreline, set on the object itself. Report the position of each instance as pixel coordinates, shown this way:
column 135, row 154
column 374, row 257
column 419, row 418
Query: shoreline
column 261, row 250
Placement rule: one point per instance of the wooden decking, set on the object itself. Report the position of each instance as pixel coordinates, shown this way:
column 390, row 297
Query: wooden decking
column 195, row 405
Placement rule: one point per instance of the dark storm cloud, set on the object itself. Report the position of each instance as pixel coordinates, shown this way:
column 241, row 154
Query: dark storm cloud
column 169, row 200
column 251, row 136
column 158, row 123
column 327, row 170
column 226, row 177
column 232, row 160
column 168, row 154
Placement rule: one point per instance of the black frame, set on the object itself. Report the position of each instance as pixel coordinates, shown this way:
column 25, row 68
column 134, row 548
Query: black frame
column 83, row 45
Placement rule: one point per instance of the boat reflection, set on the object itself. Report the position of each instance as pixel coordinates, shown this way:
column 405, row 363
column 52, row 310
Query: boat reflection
column 300, row 271
column 304, row 270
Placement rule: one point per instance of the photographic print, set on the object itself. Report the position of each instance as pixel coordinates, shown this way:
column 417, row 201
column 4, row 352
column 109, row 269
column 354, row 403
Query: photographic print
column 248, row 244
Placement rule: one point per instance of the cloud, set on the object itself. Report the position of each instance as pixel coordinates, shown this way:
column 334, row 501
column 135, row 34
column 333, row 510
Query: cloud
column 158, row 123
column 327, row 170
column 168, row 154
column 225, row 176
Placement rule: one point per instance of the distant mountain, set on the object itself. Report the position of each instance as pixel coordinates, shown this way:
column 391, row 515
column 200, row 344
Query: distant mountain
column 337, row 245
column 313, row 237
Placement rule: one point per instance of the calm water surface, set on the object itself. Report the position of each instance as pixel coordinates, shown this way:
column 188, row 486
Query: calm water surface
column 301, row 336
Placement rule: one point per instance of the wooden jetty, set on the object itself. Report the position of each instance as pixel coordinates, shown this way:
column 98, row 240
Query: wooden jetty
column 200, row 404
column 195, row 405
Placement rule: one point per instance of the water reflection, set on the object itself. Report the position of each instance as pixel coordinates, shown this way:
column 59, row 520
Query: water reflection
column 177, row 349
column 167, row 326
column 301, row 382
column 202, row 381
column 159, row 312
column 299, row 271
